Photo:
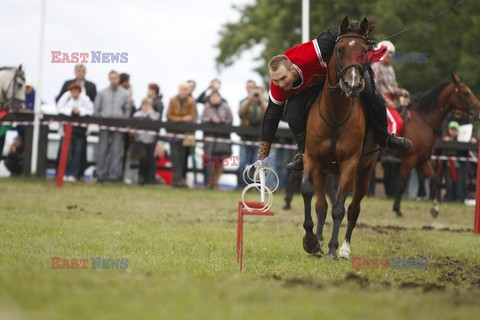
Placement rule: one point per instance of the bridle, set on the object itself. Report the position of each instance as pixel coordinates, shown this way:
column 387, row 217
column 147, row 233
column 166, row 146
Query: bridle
column 341, row 70
column 9, row 102
column 461, row 98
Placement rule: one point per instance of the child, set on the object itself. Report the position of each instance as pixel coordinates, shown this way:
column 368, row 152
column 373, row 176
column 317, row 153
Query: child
column 146, row 142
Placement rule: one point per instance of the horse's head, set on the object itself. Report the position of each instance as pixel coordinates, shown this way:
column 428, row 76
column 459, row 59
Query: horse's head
column 464, row 99
column 349, row 56
column 13, row 91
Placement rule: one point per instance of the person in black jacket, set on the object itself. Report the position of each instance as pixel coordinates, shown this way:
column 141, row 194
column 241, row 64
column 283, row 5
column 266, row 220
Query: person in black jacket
column 88, row 87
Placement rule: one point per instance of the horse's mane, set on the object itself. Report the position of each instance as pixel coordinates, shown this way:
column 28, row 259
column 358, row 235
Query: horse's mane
column 427, row 101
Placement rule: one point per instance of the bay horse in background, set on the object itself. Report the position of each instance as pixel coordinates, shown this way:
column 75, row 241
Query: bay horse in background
column 427, row 115
column 336, row 142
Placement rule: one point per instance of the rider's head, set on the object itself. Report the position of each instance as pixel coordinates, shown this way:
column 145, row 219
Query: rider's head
column 282, row 72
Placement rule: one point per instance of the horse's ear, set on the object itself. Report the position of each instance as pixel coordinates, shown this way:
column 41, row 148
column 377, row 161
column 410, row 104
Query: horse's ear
column 344, row 25
column 20, row 67
column 455, row 79
column 364, row 26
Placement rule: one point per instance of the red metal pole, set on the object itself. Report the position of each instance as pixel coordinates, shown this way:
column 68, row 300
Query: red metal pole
column 240, row 235
column 476, row 224
column 62, row 164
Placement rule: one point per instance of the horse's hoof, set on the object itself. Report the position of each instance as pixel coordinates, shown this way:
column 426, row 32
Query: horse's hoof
column 311, row 244
column 398, row 213
column 319, row 253
column 434, row 212
column 344, row 250
column 331, row 256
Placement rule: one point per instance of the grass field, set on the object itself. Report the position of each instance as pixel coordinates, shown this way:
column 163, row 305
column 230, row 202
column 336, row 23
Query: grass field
column 180, row 246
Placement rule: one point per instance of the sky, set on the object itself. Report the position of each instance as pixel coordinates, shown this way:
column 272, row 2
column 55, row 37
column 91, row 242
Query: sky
column 167, row 42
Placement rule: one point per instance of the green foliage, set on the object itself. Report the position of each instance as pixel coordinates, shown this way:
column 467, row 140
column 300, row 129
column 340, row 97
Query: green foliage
column 451, row 40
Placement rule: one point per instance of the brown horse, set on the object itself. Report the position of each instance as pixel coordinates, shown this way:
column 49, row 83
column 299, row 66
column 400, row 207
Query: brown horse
column 336, row 138
column 427, row 115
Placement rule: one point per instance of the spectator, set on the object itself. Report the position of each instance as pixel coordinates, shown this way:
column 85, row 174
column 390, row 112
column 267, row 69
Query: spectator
column 112, row 102
column 217, row 112
column 146, row 142
column 213, row 87
column 90, row 90
column 29, row 105
column 462, row 118
column 191, row 150
column 125, row 83
column 162, row 160
column 72, row 103
column 88, row 87
column 455, row 171
column 192, row 85
column 14, row 158
column 180, row 109
column 29, row 95
column 154, row 94
column 251, row 112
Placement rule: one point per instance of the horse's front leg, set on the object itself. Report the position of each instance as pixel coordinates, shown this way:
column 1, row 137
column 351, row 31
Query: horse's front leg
column 321, row 206
column 310, row 241
column 347, row 174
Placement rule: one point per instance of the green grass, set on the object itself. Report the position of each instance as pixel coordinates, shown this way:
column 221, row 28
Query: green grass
column 180, row 246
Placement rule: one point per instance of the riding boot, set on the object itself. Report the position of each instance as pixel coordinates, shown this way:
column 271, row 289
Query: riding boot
column 297, row 163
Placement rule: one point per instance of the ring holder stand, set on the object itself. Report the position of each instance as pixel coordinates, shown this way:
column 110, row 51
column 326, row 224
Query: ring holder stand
column 254, row 208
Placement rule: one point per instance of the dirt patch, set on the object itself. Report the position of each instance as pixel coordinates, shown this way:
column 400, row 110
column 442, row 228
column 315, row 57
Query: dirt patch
column 456, row 272
column 389, row 228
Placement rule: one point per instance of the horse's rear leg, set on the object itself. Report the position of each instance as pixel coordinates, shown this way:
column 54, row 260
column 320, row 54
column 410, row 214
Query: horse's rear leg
column 338, row 211
column 362, row 181
column 405, row 169
column 310, row 241
column 321, row 207
column 427, row 169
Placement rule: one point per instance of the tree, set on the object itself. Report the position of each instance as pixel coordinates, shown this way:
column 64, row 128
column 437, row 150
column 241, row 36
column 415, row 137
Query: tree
column 450, row 41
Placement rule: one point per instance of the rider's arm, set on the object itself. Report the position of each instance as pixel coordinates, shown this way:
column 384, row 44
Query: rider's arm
column 326, row 42
column 269, row 128
column 271, row 120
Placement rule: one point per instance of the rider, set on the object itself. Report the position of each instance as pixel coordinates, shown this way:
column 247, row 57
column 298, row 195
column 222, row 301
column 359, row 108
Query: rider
column 387, row 85
column 295, row 77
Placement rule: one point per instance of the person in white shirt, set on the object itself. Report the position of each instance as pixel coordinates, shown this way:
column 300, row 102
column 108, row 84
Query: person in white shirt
column 75, row 104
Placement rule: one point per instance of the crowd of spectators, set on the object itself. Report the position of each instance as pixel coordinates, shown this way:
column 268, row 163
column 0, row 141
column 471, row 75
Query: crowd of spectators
column 117, row 152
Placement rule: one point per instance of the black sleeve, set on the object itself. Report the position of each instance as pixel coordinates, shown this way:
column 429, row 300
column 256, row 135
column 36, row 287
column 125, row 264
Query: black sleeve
column 93, row 91
column 270, row 121
column 326, row 42
column 202, row 98
column 64, row 89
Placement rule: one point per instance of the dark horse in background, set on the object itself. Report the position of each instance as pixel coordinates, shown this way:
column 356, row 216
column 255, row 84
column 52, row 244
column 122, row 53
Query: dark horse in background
column 427, row 116
column 336, row 142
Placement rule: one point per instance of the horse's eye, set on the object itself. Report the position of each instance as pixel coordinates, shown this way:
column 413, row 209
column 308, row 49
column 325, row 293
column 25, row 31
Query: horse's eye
column 339, row 50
